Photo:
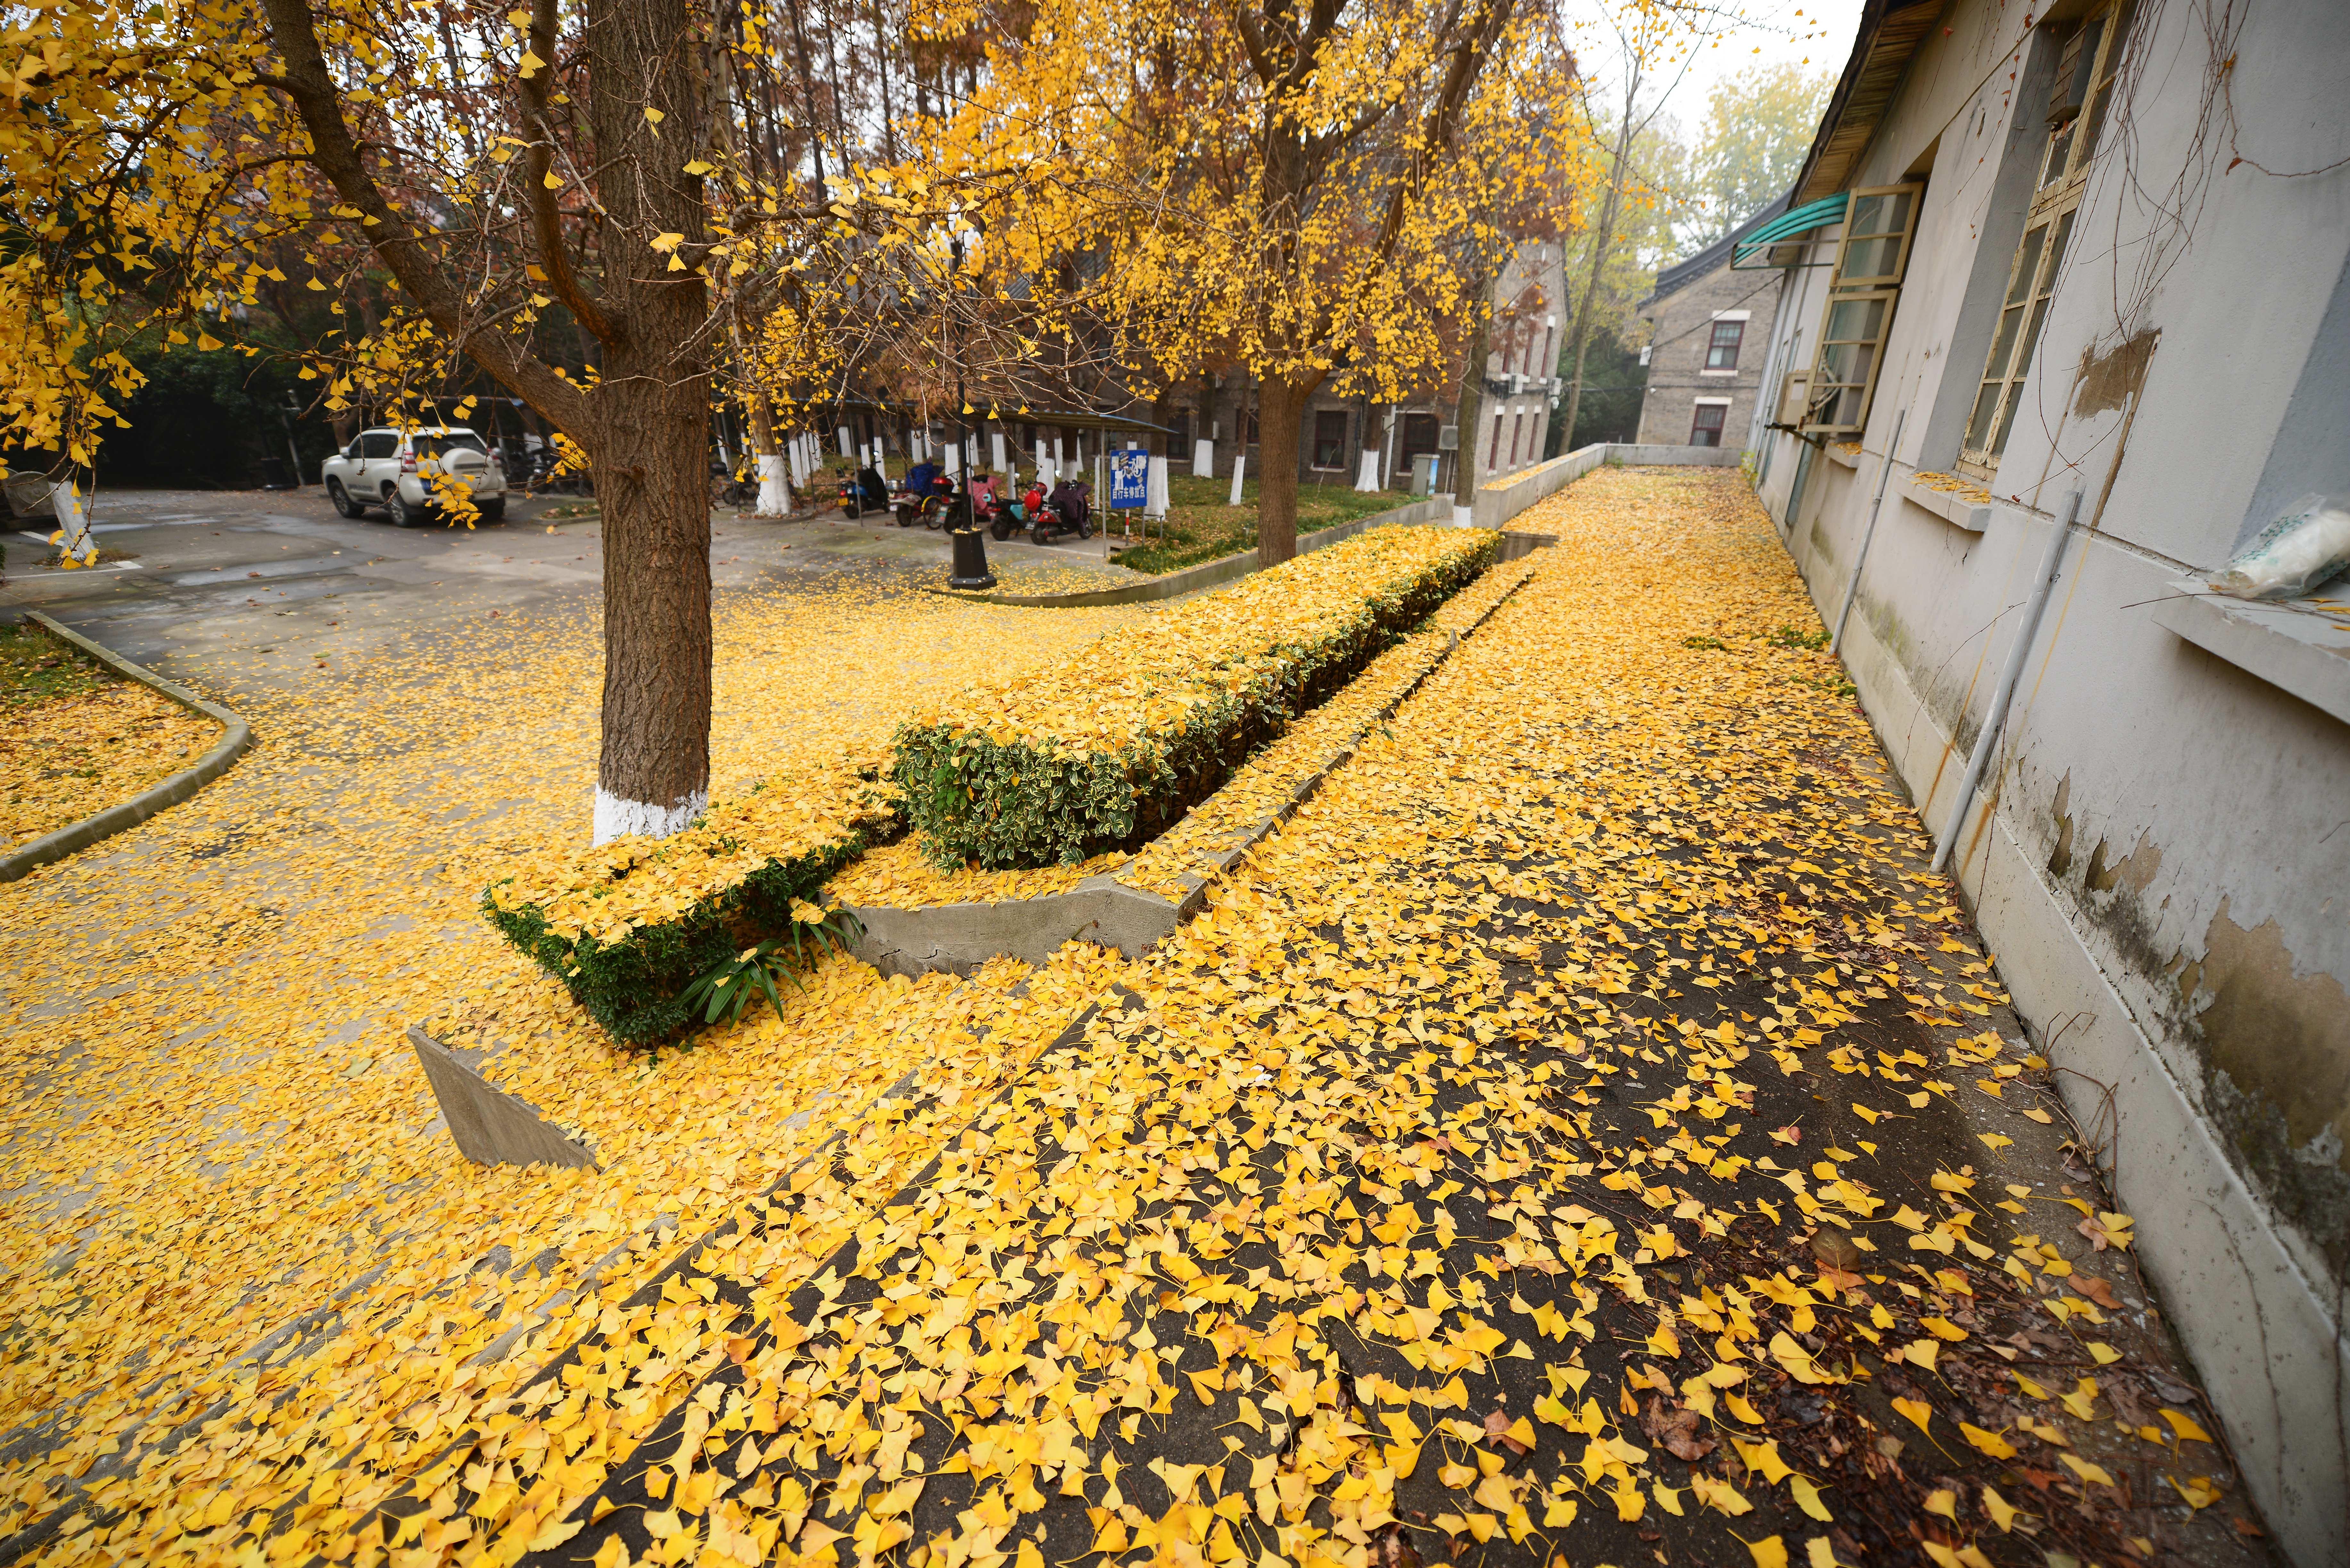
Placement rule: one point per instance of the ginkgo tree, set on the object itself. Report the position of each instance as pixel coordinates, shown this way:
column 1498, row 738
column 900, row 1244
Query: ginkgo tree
column 585, row 198
column 1313, row 188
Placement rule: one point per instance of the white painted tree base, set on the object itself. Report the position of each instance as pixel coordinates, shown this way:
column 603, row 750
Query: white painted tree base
column 1464, row 516
column 775, row 490
column 618, row 818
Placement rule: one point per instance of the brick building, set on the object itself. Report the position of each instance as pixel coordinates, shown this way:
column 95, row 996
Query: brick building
column 1710, row 330
column 1521, row 389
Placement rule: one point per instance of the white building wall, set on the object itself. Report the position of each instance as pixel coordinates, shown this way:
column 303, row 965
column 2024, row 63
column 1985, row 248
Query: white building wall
column 2164, row 873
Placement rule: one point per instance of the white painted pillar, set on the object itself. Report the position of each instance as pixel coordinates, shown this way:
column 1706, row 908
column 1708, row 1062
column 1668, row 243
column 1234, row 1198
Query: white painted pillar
column 1044, row 474
column 996, row 442
column 1155, row 495
column 1240, row 467
column 1203, row 460
column 1366, row 474
column 844, row 448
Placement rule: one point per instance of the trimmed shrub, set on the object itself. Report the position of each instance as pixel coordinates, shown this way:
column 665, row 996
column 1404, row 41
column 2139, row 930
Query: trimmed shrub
column 629, row 926
column 1109, row 752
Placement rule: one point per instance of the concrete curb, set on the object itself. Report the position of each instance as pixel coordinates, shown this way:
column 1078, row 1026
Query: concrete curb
column 959, row 938
column 1209, row 574
column 233, row 743
column 489, row 1126
column 1499, row 500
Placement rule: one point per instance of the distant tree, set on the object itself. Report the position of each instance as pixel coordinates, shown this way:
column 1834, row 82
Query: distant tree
column 1757, row 126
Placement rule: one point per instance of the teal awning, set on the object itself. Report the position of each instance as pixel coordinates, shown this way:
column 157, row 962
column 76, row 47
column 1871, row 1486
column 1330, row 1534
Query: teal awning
column 1786, row 227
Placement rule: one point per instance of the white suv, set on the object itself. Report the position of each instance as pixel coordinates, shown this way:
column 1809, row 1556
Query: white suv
column 390, row 468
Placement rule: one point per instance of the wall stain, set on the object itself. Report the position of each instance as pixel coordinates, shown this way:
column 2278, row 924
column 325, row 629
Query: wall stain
column 2273, row 1046
column 2276, row 1051
column 2133, row 870
column 2110, row 379
column 2060, row 859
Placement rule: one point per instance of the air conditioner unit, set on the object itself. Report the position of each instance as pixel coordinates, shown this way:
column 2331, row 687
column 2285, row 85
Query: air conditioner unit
column 1448, row 438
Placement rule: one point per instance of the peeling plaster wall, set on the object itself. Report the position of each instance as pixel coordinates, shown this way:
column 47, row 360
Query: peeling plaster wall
column 2162, row 854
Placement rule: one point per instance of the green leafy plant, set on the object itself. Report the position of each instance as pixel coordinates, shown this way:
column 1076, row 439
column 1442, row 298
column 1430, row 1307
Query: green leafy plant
column 1714, row 643
column 631, row 927
column 726, row 989
column 1793, row 637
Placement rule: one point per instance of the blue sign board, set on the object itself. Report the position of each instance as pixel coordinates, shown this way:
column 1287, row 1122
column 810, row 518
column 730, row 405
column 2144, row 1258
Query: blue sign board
column 1129, row 479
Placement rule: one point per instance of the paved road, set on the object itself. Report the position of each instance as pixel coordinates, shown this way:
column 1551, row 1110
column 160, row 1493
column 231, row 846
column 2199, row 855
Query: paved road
column 214, row 576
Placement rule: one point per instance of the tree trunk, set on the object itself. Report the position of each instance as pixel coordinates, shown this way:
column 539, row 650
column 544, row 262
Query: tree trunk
column 1468, row 416
column 775, row 490
column 1280, row 428
column 649, row 435
column 1600, row 256
column 654, row 493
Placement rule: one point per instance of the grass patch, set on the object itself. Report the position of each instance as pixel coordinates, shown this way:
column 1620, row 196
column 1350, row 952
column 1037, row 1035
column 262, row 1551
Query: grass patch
column 35, row 668
column 1199, row 526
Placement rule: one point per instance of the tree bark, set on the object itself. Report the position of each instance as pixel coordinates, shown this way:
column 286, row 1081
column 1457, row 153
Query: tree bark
column 1468, row 414
column 1599, row 257
column 649, row 429
column 1280, row 428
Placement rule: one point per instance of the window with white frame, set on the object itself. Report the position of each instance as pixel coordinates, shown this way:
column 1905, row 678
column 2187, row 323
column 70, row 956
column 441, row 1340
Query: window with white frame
column 1721, row 348
column 2078, row 104
column 1879, row 225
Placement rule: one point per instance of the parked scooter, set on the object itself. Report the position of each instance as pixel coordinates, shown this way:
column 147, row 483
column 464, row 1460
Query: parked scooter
column 1003, row 516
column 1068, row 509
column 866, row 491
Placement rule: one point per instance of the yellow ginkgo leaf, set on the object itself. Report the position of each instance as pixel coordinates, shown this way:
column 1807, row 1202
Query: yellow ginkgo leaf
column 1991, row 1443
column 2185, row 1427
column 2085, row 1470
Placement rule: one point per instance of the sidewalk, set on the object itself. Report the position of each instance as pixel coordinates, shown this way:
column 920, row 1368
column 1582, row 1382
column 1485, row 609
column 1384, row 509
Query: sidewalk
column 1585, row 1133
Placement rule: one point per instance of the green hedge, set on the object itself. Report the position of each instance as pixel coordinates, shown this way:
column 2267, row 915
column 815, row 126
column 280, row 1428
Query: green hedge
column 627, row 926
column 1108, row 752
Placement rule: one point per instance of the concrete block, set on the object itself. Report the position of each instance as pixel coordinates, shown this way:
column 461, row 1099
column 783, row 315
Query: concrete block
column 489, row 1126
column 2307, row 655
column 959, row 938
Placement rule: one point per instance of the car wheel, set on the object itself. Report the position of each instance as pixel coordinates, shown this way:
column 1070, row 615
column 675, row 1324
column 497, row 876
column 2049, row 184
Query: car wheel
column 492, row 511
column 344, row 506
column 396, row 507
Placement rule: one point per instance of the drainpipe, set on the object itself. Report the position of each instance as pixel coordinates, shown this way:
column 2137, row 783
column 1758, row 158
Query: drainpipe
column 1852, row 589
column 1992, row 722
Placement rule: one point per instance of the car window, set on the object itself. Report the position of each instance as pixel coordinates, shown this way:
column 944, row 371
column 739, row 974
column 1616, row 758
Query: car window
column 456, row 441
column 379, row 443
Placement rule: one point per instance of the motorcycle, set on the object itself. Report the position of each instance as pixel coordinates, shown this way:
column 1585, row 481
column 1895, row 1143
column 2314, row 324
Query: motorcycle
column 1003, row 516
column 1068, row 509
column 859, row 496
